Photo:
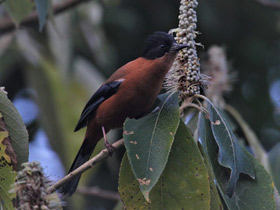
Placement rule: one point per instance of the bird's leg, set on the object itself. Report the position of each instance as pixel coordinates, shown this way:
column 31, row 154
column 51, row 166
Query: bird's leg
column 108, row 146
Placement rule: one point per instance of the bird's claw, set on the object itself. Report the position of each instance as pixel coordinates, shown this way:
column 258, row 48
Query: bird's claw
column 110, row 148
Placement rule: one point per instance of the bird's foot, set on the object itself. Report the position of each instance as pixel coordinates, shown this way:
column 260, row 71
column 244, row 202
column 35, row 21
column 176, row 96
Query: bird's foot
column 110, row 148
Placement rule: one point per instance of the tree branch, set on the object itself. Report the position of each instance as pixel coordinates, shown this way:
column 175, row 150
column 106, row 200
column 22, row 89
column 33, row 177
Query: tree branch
column 270, row 3
column 97, row 192
column 7, row 25
column 87, row 165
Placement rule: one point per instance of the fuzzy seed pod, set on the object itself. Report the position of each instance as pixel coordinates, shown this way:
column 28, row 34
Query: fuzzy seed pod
column 184, row 76
column 31, row 189
column 221, row 77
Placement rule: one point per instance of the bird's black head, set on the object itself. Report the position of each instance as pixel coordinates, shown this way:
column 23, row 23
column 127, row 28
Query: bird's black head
column 160, row 43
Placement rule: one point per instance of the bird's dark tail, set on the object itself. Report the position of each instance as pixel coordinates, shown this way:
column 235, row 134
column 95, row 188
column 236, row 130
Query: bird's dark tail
column 83, row 155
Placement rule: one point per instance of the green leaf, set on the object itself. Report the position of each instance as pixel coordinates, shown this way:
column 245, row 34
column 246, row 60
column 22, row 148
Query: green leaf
column 42, row 9
column 231, row 154
column 274, row 160
column 215, row 202
column 148, row 141
column 191, row 119
column 184, row 184
column 249, row 193
column 18, row 9
column 7, row 167
column 17, row 130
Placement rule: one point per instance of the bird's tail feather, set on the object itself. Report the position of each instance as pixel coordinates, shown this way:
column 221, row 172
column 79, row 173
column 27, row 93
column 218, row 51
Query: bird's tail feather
column 83, row 155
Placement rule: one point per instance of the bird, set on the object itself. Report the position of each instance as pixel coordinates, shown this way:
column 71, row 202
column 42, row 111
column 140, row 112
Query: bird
column 130, row 92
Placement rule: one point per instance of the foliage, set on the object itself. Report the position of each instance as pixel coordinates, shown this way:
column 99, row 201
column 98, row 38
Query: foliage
column 66, row 62
column 231, row 154
column 42, row 9
column 274, row 157
column 249, row 193
column 7, row 168
column 148, row 142
column 184, row 183
column 226, row 157
column 18, row 9
column 17, row 131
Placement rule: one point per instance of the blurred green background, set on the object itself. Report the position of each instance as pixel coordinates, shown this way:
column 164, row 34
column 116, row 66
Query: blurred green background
column 59, row 68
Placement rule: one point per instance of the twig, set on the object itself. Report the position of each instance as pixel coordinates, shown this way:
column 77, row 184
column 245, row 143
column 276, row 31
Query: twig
column 199, row 108
column 202, row 97
column 97, row 192
column 87, row 165
column 7, row 25
column 185, row 104
column 270, row 3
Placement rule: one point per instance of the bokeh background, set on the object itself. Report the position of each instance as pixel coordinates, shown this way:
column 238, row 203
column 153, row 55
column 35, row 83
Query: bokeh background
column 50, row 75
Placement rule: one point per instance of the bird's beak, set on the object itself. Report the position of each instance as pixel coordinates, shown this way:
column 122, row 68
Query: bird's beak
column 177, row 47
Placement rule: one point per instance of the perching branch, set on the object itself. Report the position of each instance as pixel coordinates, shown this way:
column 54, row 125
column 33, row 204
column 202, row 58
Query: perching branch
column 97, row 192
column 270, row 3
column 87, row 165
column 7, row 25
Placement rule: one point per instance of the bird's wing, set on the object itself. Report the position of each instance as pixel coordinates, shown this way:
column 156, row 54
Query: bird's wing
column 103, row 93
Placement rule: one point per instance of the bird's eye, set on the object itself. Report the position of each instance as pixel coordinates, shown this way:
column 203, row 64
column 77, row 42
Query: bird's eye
column 162, row 46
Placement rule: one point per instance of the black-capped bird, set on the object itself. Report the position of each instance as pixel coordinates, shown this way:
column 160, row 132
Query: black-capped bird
column 129, row 92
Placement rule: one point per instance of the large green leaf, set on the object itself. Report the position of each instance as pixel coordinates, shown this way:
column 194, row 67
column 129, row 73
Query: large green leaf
column 215, row 202
column 7, row 167
column 249, row 193
column 16, row 128
column 18, row 9
column 231, row 154
column 274, row 165
column 42, row 9
column 148, row 141
column 184, row 184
